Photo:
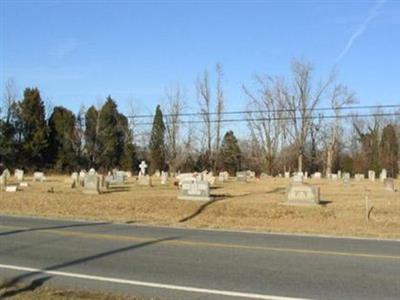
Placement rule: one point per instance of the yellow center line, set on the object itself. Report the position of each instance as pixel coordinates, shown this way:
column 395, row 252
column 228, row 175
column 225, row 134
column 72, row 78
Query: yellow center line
column 102, row 236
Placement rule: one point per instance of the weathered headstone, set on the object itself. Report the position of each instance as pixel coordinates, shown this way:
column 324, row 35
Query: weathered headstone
column 359, row 177
column 74, row 179
column 92, row 183
column 19, row 175
column 298, row 177
column 39, row 176
column 287, row 175
column 194, row 189
column 82, row 175
column 302, row 194
column 241, row 176
column 389, row 184
column 317, row 175
column 164, row 177
column 120, row 177
column 223, row 176
column 383, row 175
column 334, row 177
column 371, row 175
column 339, row 174
column 11, row 188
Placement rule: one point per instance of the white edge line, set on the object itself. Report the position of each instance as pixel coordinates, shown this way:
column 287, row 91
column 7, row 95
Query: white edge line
column 151, row 284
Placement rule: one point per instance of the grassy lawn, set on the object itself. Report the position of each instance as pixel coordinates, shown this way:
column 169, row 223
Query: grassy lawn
column 256, row 205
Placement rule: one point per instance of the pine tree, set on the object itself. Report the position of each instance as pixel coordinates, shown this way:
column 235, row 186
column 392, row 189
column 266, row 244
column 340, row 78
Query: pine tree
column 64, row 141
column 389, row 150
column 91, row 133
column 230, row 154
column 157, row 145
column 34, row 129
column 109, row 136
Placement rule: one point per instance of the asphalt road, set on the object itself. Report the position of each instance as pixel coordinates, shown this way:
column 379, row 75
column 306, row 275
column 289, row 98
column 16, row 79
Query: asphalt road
column 174, row 263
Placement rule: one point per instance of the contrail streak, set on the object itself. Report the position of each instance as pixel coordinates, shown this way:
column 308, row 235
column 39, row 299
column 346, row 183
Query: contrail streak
column 361, row 29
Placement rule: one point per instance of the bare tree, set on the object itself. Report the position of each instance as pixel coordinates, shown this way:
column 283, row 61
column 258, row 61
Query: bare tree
column 301, row 103
column 9, row 99
column 219, row 107
column 265, row 116
column 176, row 105
column 339, row 97
column 204, row 99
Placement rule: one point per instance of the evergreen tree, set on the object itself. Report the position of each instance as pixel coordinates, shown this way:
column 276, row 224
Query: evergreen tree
column 157, row 145
column 34, row 129
column 230, row 154
column 389, row 150
column 109, row 136
column 91, row 133
column 128, row 159
column 63, row 139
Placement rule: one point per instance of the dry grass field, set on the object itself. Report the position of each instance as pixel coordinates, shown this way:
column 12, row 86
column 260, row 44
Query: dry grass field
column 29, row 292
column 256, row 205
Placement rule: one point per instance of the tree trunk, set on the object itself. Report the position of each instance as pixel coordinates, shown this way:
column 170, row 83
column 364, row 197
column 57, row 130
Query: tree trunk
column 300, row 161
column 329, row 159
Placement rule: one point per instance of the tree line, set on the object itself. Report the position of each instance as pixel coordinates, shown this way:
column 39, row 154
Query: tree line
column 286, row 130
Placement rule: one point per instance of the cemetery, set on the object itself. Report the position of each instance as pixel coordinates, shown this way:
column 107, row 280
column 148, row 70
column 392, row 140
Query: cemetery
column 265, row 203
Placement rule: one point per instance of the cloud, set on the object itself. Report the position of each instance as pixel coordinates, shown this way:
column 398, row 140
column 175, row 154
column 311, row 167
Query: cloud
column 361, row 29
column 64, row 48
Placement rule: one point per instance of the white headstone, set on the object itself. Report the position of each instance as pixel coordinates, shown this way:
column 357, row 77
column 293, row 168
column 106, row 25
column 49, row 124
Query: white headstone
column 164, row 177
column 317, row 175
column 383, row 175
column 11, row 188
column 371, row 175
column 143, row 166
column 39, row 176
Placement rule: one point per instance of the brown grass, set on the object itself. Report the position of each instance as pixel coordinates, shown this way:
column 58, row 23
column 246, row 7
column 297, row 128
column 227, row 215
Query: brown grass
column 256, row 205
column 24, row 292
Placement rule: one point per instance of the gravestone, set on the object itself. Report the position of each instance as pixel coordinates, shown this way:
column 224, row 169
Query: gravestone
column 19, row 175
column 241, row 176
column 389, row 184
column 339, row 174
column 39, row 176
column 317, row 175
column 82, row 175
column 250, row 174
column 209, row 178
column 144, row 179
column 11, row 188
column 334, row 177
column 359, row 177
column 91, row 183
column 74, row 179
column 164, row 177
column 120, row 177
column 23, row 184
column 223, row 176
column 197, row 190
column 302, row 194
column 371, row 175
column 287, row 175
column 185, row 176
column 297, row 178
column 346, row 179
column 6, row 174
column 383, row 175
